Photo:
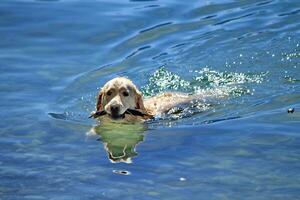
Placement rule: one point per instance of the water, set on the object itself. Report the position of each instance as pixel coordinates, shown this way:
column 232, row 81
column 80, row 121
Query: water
column 241, row 144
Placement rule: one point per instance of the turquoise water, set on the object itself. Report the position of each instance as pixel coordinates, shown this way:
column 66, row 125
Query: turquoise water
column 240, row 144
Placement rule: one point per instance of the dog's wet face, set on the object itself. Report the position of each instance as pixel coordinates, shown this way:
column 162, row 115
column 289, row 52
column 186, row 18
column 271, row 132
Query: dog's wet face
column 117, row 96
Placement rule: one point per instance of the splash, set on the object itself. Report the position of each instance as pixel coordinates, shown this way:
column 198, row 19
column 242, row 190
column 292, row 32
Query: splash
column 208, row 81
column 205, row 81
column 163, row 80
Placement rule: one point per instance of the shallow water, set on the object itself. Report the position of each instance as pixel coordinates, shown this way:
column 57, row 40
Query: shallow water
column 241, row 144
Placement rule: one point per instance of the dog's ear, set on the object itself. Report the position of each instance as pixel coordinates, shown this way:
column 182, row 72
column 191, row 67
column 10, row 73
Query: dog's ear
column 139, row 100
column 99, row 105
column 140, row 106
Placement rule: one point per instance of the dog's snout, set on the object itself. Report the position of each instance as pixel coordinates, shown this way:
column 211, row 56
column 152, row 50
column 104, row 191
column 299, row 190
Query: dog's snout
column 115, row 108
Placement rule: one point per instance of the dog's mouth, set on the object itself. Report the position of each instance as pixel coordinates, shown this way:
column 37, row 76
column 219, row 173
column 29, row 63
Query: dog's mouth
column 117, row 116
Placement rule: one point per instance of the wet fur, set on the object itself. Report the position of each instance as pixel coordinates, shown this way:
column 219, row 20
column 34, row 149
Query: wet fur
column 112, row 95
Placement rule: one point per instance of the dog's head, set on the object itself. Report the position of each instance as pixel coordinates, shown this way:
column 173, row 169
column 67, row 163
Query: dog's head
column 117, row 96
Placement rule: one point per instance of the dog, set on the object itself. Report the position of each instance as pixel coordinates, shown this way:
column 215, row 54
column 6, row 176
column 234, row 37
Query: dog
column 120, row 99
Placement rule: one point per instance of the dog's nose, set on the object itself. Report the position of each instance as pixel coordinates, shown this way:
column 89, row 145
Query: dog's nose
column 115, row 109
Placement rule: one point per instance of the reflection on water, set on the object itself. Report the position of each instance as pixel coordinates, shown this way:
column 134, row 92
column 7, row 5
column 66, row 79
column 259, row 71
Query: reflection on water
column 120, row 139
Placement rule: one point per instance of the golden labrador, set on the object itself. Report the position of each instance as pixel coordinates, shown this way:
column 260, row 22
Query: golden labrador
column 119, row 99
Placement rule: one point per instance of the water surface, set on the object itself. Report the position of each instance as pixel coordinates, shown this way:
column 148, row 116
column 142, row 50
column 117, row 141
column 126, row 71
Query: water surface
column 241, row 144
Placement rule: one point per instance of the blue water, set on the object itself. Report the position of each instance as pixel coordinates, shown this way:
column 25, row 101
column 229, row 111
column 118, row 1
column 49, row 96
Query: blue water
column 241, row 144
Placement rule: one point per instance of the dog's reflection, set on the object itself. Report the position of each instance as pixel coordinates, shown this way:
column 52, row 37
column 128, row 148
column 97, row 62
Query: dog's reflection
column 120, row 139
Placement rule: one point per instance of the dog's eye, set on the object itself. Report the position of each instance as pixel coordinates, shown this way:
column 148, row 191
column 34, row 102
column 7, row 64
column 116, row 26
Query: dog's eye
column 109, row 93
column 125, row 94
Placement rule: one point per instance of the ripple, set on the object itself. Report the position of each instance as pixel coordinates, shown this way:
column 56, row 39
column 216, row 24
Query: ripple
column 233, row 19
column 155, row 27
column 295, row 12
column 138, row 50
column 61, row 116
column 122, row 172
